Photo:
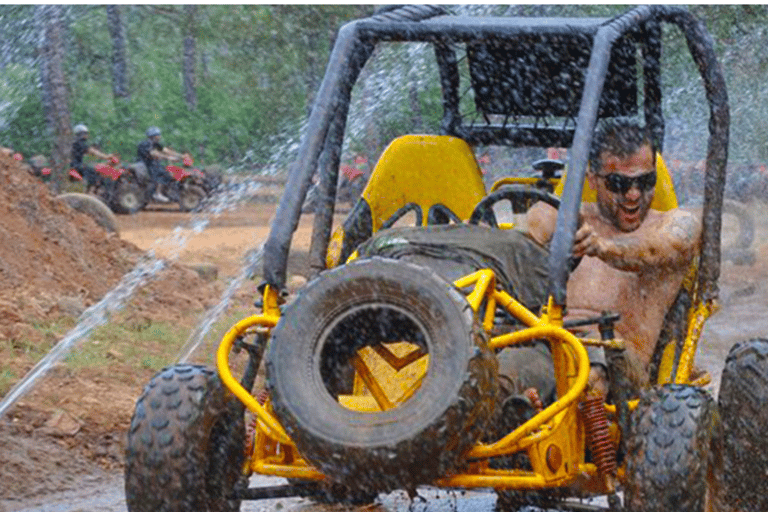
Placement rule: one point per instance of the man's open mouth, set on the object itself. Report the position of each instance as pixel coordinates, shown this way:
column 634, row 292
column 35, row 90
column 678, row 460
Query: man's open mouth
column 630, row 211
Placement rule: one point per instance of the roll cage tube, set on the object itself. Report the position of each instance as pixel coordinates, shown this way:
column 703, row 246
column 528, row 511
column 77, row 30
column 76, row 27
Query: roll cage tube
column 331, row 106
column 701, row 47
column 423, row 23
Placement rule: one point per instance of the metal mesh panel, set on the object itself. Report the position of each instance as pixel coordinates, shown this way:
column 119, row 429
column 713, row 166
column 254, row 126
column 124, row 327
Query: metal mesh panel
column 543, row 75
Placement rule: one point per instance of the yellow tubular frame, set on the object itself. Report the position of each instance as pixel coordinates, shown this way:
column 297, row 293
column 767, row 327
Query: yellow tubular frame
column 550, row 430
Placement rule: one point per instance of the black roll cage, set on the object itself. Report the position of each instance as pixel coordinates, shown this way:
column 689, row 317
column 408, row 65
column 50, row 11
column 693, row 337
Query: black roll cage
column 320, row 148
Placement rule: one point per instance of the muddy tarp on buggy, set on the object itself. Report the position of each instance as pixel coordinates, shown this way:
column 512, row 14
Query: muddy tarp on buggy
column 455, row 250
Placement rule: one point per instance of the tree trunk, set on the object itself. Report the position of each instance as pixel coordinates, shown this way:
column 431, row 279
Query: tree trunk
column 54, row 87
column 188, row 71
column 119, row 59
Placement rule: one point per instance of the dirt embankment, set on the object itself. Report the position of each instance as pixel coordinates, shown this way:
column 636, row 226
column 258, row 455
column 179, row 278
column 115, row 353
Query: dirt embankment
column 55, row 263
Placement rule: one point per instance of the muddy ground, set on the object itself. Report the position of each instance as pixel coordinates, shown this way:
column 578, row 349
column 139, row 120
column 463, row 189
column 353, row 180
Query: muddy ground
column 61, row 446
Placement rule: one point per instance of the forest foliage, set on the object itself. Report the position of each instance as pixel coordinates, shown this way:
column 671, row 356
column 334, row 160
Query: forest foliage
column 230, row 83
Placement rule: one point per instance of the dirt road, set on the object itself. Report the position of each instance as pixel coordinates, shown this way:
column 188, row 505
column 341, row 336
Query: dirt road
column 223, row 243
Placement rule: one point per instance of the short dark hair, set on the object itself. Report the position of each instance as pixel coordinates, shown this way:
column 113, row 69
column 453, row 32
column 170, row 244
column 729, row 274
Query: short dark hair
column 619, row 136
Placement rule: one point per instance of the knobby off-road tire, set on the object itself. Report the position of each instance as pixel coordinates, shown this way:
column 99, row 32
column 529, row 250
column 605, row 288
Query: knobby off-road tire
column 128, row 198
column 93, row 207
column 191, row 197
column 742, row 400
column 185, row 445
column 669, row 450
column 363, row 304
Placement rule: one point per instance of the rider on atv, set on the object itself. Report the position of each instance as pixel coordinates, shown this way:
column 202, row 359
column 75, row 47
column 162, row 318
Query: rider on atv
column 80, row 148
column 151, row 151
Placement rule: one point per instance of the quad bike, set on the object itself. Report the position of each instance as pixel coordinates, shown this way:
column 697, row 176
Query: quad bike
column 38, row 166
column 381, row 374
column 130, row 189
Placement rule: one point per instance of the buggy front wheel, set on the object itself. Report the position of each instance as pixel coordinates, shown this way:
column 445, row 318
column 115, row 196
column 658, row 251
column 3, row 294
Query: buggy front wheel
column 185, row 444
column 742, row 401
column 669, row 450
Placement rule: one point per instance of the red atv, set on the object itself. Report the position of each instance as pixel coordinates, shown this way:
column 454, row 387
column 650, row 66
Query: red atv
column 130, row 189
column 37, row 166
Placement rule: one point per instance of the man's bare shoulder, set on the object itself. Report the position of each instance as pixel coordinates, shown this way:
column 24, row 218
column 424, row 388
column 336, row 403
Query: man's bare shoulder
column 682, row 225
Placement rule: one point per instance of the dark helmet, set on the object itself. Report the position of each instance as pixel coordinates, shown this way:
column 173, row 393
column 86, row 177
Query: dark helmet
column 80, row 129
column 153, row 131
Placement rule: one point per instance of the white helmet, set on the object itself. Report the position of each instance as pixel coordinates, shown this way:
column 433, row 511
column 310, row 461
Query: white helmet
column 81, row 128
column 153, row 131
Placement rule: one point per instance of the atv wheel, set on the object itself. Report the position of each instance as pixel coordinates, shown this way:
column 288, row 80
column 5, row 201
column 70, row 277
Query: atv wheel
column 434, row 407
column 185, row 444
column 742, row 399
column 191, row 197
column 128, row 198
column 93, row 207
column 668, row 449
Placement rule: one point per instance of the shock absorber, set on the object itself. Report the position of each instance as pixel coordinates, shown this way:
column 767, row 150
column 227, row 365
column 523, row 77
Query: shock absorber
column 598, row 439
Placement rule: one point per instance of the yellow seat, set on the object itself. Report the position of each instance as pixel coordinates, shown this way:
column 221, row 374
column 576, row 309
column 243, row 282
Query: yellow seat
column 434, row 176
column 424, row 171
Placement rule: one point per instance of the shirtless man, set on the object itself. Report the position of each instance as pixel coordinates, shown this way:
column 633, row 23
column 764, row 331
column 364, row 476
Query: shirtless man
column 634, row 258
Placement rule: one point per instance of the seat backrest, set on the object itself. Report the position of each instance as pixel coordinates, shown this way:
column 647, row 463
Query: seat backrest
column 434, row 176
column 424, row 171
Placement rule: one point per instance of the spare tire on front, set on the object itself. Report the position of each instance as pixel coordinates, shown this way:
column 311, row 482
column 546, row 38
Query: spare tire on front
column 421, row 434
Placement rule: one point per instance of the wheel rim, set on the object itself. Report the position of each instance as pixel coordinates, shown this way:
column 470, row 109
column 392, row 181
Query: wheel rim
column 129, row 200
column 386, row 372
column 190, row 199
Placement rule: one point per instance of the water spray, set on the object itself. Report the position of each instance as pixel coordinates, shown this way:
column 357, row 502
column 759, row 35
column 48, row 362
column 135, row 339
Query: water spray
column 253, row 259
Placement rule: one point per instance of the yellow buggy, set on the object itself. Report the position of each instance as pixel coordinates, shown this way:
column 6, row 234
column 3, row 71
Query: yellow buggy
column 381, row 373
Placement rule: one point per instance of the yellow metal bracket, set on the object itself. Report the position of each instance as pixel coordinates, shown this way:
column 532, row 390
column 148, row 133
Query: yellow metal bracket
column 700, row 315
column 268, row 319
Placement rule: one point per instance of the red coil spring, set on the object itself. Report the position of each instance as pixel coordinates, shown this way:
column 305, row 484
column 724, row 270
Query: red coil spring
column 250, row 425
column 598, row 438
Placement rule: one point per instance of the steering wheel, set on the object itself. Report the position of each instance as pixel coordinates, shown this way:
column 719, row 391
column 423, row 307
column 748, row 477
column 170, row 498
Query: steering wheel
column 522, row 198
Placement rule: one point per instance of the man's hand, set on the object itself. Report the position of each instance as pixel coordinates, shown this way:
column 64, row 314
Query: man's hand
column 587, row 242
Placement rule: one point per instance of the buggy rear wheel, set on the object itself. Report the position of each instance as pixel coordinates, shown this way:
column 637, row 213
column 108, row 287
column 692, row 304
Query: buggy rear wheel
column 668, row 450
column 185, row 444
column 742, row 401
column 425, row 381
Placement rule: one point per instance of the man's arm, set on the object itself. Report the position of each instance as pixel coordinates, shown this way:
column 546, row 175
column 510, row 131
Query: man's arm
column 98, row 154
column 167, row 153
column 672, row 243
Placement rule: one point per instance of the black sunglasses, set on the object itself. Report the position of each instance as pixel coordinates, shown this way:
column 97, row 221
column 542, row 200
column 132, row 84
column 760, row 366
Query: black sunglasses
column 620, row 184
